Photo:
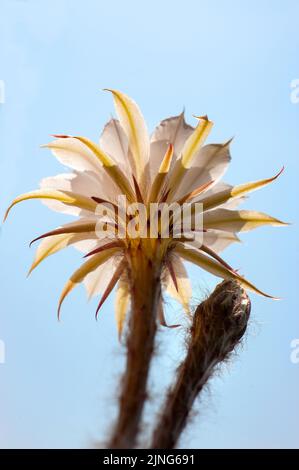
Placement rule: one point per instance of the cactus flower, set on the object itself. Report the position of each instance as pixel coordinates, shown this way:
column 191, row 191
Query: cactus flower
column 171, row 166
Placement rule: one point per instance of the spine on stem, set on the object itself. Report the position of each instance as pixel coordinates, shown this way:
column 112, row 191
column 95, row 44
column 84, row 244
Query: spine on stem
column 219, row 324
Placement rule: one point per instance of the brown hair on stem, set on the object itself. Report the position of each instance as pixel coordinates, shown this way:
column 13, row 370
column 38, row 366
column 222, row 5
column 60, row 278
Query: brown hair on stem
column 218, row 325
column 145, row 299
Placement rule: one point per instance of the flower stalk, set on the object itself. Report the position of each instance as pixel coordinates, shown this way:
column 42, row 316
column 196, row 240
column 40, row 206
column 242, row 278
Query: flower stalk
column 145, row 297
column 219, row 324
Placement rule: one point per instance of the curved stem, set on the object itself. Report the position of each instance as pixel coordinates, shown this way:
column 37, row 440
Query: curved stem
column 218, row 325
column 145, row 295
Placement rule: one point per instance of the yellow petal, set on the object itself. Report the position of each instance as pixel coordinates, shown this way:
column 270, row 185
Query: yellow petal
column 80, row 226
column 111, row 284
column 134, row 126
column 53, row 244
column 166, row 162
column 237, row 191
column 104, row 158
column 181, row 289
column 66, row 197
column 191, row 147
column 216, row 268
column 159, row 180
column 85, row 269
column 214, row 255
column 122, row 300
column 195, row 192
column 196, row 140
column 111, row 168
column 237, row 221
column 74, row 154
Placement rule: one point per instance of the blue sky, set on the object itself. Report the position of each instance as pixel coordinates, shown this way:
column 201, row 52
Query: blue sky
column 233, row 60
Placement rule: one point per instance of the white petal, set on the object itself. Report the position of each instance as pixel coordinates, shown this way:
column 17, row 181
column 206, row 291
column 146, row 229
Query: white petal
column 51, row 245
column 97, row 281
column 63, row 182
column 115, row 142
column 82, row 183
column 184, row 293
column 74, row 154
column 219, row 188
column 85, row 246
column 122, row 300
column 209, row 164
column 173, row 130
column 132, row 121
column 217, row 240
column 157, row 152
column 85, row 183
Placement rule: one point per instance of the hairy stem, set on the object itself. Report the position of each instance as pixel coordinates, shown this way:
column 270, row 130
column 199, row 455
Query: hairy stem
column 218, row 326
column 145, row 294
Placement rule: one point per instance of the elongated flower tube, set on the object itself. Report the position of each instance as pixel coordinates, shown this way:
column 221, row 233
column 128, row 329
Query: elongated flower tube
column 112, row 188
